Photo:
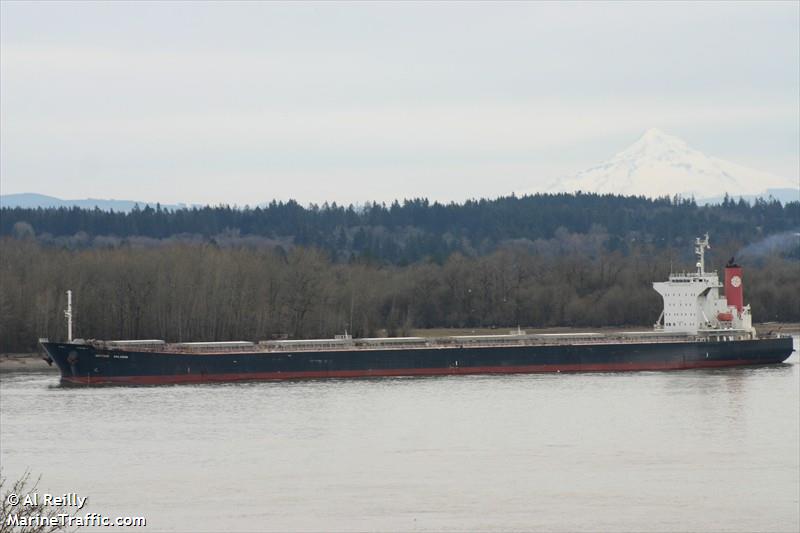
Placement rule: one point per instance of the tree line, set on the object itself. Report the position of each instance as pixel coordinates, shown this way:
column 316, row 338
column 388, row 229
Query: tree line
column 201, row 291
column 414, row 230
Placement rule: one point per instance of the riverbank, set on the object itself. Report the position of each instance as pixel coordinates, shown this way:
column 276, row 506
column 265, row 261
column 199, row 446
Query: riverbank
column 24, row 362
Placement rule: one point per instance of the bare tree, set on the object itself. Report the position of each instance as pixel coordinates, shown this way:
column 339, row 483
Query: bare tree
column 19, row 516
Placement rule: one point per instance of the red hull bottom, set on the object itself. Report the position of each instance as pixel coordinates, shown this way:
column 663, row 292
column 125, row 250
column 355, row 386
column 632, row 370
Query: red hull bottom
column 283, row 376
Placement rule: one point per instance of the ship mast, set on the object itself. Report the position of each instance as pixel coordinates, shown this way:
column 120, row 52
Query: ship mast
column 700, row 247
column 68, row 314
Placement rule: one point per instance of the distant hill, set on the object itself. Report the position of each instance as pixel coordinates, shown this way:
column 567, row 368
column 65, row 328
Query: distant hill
column 659, row 164
column 33, row 200
column 782, row 195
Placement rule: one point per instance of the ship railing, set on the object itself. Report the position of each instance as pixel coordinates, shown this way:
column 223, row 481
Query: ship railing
column 434, row 343
column 568, row 342
column 184, row 348
column 431, row 343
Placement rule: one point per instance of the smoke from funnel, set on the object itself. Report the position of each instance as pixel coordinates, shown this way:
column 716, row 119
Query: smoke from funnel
column 778, row 243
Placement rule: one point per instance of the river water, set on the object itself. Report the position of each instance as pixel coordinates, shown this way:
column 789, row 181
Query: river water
column 699, row 450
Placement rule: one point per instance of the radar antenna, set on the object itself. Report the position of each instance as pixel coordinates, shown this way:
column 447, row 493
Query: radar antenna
column 68, row 314
column 700, row 247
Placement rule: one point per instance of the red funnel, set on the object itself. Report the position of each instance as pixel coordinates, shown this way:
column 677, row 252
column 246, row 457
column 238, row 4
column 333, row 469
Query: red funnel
column 734, row 291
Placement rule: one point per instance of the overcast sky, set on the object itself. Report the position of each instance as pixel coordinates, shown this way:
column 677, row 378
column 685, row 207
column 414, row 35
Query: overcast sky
column 350, row 102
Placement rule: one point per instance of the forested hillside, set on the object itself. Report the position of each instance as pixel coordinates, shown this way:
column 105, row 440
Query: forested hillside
column 404, row 233
column 219, row 273
column 204, row 292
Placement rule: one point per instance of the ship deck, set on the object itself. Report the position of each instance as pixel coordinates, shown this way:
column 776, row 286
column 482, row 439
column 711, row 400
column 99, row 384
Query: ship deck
column 410, row 343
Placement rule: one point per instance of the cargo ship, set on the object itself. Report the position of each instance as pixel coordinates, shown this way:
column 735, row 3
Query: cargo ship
column 698, row 328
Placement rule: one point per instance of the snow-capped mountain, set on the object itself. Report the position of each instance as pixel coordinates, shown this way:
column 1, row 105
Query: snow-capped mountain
column 659, row 164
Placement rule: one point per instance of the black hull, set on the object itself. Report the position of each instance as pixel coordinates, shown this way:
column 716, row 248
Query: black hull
column 83, row 364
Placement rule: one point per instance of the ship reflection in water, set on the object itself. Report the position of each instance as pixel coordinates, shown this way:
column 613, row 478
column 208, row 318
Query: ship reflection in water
column 694, row 450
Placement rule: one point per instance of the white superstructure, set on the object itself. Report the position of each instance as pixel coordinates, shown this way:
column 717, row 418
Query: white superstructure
column 693, row 305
